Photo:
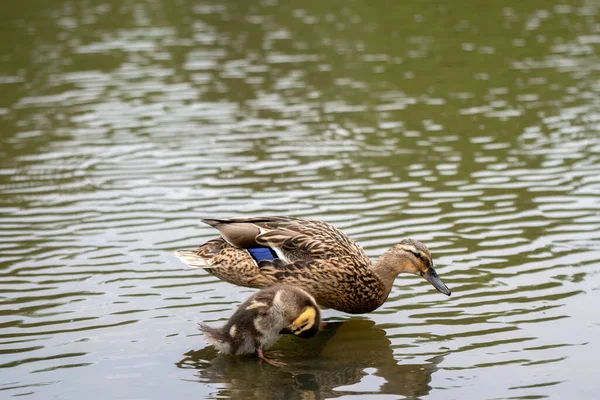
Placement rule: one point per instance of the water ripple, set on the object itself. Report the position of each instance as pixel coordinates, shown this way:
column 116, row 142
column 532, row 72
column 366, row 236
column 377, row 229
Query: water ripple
column 125, row 124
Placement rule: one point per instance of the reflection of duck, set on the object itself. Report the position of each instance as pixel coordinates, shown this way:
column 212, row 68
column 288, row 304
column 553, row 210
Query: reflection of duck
column 311, row 254
column 263, row 318
column 322, row 367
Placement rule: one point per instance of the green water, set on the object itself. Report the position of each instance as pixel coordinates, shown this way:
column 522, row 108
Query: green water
column 473, row 127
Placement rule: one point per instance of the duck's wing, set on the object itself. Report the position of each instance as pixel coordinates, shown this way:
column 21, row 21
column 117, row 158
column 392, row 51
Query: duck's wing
column 291, row 239
column 341, row 284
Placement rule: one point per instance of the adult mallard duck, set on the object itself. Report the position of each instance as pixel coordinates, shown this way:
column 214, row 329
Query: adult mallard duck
column 263, row 318
column 310, row 254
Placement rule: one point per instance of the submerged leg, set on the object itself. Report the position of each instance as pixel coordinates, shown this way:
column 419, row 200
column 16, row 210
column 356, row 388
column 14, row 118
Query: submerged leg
column 274, row 363
column 275, row 354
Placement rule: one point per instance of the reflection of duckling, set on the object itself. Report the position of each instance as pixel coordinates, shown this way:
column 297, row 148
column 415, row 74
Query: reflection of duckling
column 261, row 319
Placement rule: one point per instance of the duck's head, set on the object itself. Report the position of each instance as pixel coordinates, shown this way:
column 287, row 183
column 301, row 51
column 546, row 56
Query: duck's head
column 413, row 257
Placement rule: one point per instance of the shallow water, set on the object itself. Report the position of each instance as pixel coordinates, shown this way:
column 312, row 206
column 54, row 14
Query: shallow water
column 475, row 129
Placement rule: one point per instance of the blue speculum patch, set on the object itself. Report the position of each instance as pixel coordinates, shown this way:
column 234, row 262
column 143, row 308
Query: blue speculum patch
column 262, row 253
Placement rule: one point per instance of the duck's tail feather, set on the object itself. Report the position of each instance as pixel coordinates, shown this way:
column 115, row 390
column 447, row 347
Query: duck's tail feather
column 203, row 256
column 192, row 259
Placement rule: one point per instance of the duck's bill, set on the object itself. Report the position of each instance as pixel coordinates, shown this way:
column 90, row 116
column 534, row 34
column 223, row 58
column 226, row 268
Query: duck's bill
column 432, row 277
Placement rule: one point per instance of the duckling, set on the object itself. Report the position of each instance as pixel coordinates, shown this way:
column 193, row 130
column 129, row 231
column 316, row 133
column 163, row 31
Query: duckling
column 260, row 321
column 310, row 254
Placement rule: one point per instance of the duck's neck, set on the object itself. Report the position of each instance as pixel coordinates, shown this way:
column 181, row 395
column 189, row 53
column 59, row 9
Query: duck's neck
column 388, row 266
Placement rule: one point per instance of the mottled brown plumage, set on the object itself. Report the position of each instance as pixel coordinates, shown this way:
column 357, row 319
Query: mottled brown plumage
column 312, row 255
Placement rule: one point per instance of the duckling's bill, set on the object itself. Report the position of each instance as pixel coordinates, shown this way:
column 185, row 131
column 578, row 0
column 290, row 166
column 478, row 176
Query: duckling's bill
column 306, row 325
column 432, row 277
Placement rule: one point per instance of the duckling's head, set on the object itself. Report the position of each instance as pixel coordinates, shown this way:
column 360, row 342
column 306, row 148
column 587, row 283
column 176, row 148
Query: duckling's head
column 413, row 257
column 302, row 308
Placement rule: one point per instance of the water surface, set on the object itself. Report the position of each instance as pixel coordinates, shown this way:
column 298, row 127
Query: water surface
column 473, row 129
